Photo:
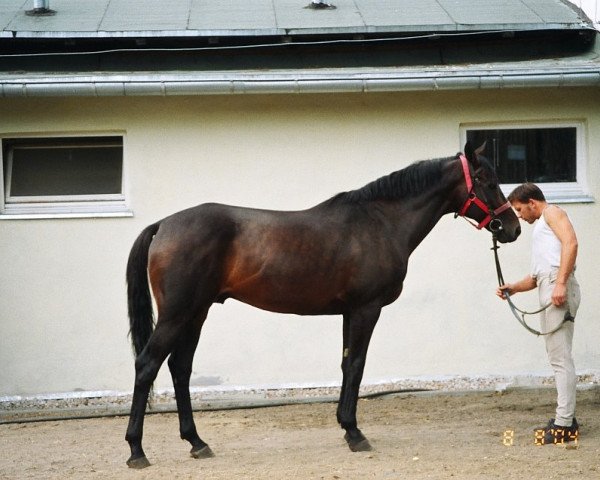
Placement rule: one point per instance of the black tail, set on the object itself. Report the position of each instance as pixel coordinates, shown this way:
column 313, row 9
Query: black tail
column 139, row 301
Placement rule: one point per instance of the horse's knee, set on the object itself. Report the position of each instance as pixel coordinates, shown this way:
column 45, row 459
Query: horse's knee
column 178, row 371
column 173, row 367
column 357, row 365
column 145, row 371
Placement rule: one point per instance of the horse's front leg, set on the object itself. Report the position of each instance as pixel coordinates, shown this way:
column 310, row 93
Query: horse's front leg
column 358, row 329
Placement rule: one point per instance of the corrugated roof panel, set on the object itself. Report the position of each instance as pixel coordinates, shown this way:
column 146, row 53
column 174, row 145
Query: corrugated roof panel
column 144, row 15
column 291, row 15
column 553, row 12
column 11, row 6
column 481, row 12
column 232, row 15
column 276, row 17
column 403, row 12
column 8, row 10
column 70, row 16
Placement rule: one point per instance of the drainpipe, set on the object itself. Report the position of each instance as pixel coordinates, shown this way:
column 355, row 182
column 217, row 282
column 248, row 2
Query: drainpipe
column 40, row 8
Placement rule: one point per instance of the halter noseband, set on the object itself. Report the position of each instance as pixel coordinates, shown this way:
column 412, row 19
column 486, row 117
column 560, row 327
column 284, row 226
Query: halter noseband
column 473, row 199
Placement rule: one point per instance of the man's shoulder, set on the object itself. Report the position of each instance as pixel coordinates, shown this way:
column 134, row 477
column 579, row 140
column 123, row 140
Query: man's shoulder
column 557, row 219
column 554, row 212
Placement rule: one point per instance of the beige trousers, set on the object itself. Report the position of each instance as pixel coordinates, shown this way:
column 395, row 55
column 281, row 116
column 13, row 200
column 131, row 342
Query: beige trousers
column 559, row 343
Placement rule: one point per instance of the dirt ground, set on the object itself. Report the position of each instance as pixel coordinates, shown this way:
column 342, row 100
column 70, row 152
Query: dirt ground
column 414, row 436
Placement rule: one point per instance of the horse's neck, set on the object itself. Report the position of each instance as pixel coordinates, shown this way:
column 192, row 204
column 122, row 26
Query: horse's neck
column 424, row 211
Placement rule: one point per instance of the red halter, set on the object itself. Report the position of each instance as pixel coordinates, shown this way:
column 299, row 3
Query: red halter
column 473, row 199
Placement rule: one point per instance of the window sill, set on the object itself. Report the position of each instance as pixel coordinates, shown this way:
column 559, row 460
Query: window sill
column 27, row 212
column 558, row 193
column 570, row 199
column 43, row 216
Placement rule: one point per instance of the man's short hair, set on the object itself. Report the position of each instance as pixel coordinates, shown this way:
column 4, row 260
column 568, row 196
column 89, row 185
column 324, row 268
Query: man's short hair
column 525, row 192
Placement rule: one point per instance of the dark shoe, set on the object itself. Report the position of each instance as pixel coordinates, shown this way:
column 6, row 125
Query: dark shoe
column 553, row 434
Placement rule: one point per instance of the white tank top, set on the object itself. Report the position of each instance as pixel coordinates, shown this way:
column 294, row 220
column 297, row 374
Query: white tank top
column 546, row 248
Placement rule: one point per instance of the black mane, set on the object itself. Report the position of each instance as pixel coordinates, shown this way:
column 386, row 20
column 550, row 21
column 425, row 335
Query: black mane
column 405, row 183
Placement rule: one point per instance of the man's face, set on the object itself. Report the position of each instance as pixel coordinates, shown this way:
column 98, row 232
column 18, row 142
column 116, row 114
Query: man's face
column 525, row 211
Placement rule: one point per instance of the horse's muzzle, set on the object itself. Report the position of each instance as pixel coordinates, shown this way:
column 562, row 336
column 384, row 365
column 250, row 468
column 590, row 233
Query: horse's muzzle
column 505, row 236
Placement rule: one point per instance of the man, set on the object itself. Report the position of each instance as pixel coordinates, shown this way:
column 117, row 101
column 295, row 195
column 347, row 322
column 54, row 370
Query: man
column 553, row 255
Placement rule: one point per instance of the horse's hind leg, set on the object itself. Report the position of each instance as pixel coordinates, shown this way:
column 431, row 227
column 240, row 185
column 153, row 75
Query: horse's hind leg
column 180, row 365
column 147, row 365
column 358, row 328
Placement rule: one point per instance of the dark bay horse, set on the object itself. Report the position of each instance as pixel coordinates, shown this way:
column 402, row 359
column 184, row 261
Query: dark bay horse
column 346, row 256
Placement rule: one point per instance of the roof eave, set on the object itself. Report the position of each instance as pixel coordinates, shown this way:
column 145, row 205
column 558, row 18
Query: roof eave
column 298, row 31
column 298, row 82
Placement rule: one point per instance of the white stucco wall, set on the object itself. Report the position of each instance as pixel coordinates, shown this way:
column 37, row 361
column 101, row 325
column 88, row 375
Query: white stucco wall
column 63, row 324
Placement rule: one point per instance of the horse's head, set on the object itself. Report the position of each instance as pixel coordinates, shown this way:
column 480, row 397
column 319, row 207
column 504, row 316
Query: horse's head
column 485, row 202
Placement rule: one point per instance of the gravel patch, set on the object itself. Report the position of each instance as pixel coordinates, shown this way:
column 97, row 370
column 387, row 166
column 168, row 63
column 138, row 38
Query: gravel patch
column 97, row 404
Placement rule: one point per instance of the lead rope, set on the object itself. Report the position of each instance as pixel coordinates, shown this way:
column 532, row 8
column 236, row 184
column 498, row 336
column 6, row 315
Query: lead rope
column 513, row 308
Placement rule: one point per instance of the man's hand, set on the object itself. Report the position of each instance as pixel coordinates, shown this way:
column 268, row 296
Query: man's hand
column 528, row 283
column 559, row 294
column 500, row 291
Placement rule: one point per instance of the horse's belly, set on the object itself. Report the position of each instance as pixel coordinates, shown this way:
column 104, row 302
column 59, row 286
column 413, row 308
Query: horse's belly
column 289, row 297
column 333, row 308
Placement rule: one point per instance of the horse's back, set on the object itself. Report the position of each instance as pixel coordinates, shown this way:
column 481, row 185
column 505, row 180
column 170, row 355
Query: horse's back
column 287, row 261
column 315, row 261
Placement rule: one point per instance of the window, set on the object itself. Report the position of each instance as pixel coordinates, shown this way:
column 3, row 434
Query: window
column 63, row 176
column 549, row 155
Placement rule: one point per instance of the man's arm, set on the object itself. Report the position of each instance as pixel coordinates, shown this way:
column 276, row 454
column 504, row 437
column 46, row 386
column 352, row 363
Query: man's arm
column 524, row 285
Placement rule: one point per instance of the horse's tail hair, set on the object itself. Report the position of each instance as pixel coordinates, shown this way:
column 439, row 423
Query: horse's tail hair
column 139, row 300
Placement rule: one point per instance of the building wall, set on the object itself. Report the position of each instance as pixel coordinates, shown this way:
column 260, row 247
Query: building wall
column 63, row 324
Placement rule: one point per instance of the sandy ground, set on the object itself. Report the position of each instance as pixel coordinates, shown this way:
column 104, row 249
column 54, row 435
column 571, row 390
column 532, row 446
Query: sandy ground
column 414, row 436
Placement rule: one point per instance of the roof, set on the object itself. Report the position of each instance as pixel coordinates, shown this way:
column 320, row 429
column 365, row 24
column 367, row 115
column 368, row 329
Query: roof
column 198, row 47
column 214, row 18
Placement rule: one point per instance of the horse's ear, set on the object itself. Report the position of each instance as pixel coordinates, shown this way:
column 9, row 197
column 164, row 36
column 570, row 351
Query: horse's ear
column 472, row 154
column 481, row 149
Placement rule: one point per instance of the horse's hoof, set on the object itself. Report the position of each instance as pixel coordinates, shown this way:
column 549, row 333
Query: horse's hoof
column 359, row 444
column 362, row 446
column 204, row 452
column 138, row 463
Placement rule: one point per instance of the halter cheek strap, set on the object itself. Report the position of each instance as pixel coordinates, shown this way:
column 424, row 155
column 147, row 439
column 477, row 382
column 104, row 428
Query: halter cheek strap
column 473, row 199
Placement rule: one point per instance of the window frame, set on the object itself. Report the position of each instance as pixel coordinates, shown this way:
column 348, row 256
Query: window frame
column 555, row 192
column 61, row 206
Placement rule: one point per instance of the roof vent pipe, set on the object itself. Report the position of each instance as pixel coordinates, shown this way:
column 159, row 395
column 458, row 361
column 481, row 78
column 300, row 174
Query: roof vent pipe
column 320, row 5
column 40, row 8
